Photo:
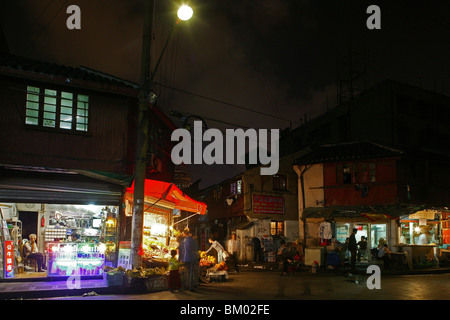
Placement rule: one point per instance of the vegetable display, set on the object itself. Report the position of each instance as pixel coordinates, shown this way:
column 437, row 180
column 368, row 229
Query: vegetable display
column 137, row 272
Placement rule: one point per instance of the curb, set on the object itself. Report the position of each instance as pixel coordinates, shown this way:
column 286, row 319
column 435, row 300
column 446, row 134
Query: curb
column 20, row 295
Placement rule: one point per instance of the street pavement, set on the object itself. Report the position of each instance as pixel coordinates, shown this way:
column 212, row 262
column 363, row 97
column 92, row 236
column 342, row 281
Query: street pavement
column 269, row 285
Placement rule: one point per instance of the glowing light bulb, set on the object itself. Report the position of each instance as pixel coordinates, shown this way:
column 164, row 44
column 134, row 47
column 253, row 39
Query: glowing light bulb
column 185, row 12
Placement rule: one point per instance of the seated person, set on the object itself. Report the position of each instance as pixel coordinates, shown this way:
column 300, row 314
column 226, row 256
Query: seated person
column 284, row 256
column 31, row 252
column 362, row 250
column 385, row 254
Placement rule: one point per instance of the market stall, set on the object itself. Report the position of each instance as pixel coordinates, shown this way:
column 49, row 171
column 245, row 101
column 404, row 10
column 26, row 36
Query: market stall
column 159, row 237
column 419, row 237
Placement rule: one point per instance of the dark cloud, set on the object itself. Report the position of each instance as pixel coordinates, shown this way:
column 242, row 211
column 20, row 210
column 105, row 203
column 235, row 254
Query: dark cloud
column 275, row 56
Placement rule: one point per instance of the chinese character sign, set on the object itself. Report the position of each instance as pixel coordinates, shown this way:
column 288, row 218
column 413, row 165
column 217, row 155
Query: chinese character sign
column 9, row 259
column 267, row 204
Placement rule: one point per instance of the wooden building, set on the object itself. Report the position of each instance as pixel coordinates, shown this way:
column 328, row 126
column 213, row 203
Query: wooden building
column 375, row 188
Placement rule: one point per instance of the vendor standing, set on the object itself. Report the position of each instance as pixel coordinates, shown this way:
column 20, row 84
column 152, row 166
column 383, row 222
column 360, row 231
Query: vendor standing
column 221, row 253
column 423, row 238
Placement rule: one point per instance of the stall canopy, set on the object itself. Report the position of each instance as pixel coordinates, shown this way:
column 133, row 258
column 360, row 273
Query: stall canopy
column 165, row 192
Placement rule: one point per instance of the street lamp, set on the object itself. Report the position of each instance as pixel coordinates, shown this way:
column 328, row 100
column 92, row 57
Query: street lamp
column 145, row 97
column 185, row 12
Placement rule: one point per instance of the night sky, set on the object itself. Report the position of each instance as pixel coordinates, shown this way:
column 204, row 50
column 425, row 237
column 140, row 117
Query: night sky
column 276, row 57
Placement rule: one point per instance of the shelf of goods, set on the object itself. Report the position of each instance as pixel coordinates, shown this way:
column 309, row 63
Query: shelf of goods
column 446, row 231
column 52, row 234
column 70, row 258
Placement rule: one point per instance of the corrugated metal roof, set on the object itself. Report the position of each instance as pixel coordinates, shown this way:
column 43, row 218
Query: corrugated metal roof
column 52, row 69
column 351, row 151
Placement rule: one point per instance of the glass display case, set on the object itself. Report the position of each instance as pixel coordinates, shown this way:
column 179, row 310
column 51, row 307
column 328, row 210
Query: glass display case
column 342, row 232
column 73, row 258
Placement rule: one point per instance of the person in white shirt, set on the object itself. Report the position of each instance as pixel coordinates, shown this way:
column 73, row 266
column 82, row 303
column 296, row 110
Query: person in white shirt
column 31, row 252
column 385, row 254
column 423, row 239
column 233, row 248
column 221, row 253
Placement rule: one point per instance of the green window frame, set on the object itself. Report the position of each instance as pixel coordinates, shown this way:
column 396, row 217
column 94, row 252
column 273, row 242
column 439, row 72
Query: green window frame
column 56, row 109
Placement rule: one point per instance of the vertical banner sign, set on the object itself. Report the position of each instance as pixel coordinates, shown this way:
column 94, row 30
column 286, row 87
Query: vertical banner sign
column 9, row 259
column 267, row 204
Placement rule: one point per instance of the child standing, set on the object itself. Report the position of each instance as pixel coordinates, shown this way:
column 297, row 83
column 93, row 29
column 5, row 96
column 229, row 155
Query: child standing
column 174, row 272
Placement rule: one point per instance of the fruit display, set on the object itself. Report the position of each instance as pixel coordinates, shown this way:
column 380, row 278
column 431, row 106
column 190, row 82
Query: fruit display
column 221, row 266
column 177, row 233
column 155, row 250
column 206, row 261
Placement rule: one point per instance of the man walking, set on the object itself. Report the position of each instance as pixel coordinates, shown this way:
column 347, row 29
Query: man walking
column 233, row 248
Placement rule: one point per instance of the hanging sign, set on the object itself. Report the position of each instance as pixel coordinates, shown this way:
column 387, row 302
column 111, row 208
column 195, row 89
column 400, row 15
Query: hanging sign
column 9, row 259
column 424, row 214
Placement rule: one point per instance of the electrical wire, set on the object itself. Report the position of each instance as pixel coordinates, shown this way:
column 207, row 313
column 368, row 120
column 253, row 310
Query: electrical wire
column 224, row 103
column 40, row 16
column 48, row 24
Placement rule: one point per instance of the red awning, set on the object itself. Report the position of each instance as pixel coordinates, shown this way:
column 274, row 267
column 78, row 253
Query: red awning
column 170, row 192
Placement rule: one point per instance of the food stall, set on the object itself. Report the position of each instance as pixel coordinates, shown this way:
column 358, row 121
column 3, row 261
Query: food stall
column 160, row 200
column 419, row 237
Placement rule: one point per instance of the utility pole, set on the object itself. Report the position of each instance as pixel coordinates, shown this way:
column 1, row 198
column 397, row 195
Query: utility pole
column 142, row 138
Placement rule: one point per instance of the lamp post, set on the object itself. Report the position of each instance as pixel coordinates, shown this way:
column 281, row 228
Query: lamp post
column 145, row 102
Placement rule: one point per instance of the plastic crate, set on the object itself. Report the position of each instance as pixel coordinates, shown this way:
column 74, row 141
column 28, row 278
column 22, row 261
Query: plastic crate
column 113, row 279
column 156, row 283
column 218, row 276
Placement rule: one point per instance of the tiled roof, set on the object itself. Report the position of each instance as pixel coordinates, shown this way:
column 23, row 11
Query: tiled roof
column 351, row 151
column 70, row 73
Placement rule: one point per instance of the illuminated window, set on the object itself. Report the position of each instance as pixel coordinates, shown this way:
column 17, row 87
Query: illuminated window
column 279, row 182
column 239, row 186
column 277, row 228
column 50, row 108
column 236, row 187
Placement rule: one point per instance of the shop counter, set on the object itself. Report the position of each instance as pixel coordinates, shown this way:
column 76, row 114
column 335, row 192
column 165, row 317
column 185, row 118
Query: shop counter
column 74, row 258
column 418, row 254
column 444, row 254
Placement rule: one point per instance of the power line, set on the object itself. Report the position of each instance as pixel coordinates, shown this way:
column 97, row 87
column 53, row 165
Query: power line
column 225, row 103
column 42, row 13
column 49, row 23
